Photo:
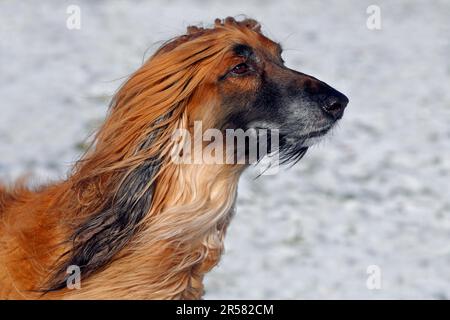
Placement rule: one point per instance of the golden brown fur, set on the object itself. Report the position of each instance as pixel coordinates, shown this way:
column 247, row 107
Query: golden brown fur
column 180, row 237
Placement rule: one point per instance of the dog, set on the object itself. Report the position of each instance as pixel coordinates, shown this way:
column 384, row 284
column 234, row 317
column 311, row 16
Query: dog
column 131, row 222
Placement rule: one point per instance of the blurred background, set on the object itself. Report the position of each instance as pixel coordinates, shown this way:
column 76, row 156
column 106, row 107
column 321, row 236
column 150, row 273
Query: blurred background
column 376, row 193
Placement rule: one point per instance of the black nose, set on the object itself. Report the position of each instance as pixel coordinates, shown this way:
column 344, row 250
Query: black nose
column 335, row 103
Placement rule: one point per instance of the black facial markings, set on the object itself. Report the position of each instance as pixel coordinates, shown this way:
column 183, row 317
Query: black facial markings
column 243, row 50
column 285, row 99
column 267, row 105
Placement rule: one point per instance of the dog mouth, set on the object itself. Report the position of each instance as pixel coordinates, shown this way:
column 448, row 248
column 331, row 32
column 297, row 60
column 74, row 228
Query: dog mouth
column 295, row 147
column 316, row 133
column 307, row 138
column 292, row 145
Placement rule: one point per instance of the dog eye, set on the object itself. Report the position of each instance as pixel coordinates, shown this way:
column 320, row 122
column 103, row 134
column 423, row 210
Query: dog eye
column 240, row 69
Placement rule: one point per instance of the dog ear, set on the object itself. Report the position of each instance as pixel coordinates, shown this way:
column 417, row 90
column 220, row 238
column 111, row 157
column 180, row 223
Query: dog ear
column 98, row 239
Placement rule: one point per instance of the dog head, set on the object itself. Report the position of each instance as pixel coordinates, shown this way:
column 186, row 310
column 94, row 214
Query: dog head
column 253, row 89
column 230, row 76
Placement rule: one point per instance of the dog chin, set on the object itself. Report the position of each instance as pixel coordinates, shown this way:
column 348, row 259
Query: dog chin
column 311, row 138
column 312, row 141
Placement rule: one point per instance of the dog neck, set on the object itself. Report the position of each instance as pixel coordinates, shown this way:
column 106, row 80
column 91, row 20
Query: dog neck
column 178, row 241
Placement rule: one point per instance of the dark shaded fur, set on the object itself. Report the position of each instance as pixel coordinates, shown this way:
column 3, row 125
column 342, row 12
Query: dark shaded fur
column 100, row 238
column 264, row 105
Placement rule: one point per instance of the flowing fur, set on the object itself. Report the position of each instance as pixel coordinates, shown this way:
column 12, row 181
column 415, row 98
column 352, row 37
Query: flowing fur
column 138, row 225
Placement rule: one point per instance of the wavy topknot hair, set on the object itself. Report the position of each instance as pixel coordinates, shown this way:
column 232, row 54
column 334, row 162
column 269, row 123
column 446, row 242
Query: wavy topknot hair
column 193, row 31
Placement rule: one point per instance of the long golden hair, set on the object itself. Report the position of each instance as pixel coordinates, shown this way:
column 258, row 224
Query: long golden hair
column 126, row 194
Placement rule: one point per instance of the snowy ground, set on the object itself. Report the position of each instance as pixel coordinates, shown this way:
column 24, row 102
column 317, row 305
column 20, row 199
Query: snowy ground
column 376, row 193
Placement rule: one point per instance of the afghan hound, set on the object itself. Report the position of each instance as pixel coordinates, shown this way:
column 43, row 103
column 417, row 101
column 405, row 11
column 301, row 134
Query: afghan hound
column 135, row 223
